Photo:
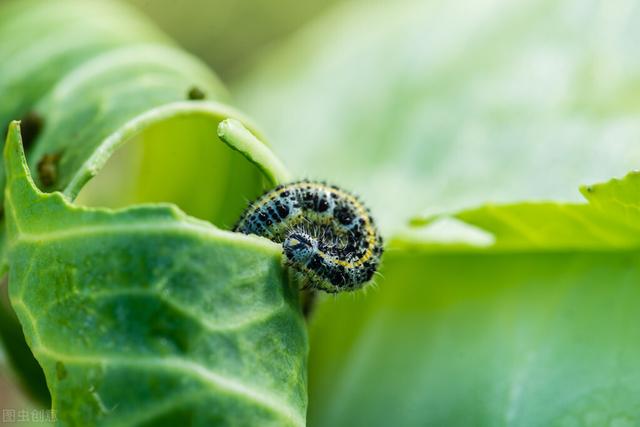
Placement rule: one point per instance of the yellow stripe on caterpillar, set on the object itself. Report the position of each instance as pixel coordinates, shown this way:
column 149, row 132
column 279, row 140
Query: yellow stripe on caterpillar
column 323, row 229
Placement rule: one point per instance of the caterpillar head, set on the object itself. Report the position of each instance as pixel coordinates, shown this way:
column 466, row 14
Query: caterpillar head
column 299, row 247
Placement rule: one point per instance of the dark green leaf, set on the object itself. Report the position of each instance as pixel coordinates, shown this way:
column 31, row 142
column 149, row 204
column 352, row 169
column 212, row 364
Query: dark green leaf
column 146, row 315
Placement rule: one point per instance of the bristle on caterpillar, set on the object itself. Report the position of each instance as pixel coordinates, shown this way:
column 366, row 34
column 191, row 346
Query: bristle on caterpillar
column 328, row 235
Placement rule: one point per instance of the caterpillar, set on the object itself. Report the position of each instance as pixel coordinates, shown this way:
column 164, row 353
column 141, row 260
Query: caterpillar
column 328, row 236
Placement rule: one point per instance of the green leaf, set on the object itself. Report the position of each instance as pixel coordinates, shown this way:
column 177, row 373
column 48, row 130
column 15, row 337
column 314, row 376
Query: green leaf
column 534, row 330
column 42, row 41
column 201, row 318
column 526, row 316
column 611, row 220
column 109, row 100
column 234, row 134
column 458, row 339
column 444, row 105
column 111, row 117
column 13, row 348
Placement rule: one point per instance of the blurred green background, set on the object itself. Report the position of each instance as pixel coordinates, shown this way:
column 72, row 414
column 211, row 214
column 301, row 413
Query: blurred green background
column 227, row 34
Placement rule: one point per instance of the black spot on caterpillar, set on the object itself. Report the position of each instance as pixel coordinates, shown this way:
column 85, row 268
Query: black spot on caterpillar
column 327, row 234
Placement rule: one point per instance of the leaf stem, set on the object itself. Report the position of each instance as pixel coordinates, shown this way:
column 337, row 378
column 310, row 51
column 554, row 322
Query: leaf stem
column 239, row 138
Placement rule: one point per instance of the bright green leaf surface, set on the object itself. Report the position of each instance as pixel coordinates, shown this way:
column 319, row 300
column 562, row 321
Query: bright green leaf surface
column 537, row 329
column 425, row 106
column 201, row 318
column 610, row 220
column 500, row 339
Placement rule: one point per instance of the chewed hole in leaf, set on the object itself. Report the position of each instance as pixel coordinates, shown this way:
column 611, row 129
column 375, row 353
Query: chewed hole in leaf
column 179, row 161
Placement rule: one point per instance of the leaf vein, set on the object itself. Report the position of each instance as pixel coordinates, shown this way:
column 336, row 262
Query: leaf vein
column 196, row 371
